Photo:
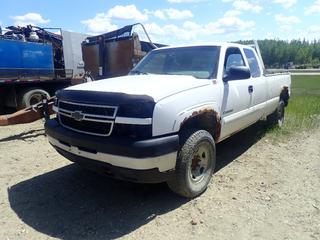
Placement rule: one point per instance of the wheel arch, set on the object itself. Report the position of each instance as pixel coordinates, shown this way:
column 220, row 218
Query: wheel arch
column 206, row 119
column 285, row 95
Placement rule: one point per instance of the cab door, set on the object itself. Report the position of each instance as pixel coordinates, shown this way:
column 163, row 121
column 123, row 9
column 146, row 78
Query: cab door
column 259, row 85
column 237, row 95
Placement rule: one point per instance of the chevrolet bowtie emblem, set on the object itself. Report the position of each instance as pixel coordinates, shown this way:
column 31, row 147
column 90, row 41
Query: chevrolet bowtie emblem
column 77, row 115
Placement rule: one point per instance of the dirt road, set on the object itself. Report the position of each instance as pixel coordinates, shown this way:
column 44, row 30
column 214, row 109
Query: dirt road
column 263, row 189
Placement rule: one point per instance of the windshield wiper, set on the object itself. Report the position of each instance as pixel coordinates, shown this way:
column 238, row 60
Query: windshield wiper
column 138, row 72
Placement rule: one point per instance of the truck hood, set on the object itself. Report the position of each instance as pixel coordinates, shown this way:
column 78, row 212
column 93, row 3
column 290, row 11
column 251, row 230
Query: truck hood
column 155, row 86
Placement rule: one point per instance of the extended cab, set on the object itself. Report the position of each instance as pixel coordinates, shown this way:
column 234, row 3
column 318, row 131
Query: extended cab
column 162, row 121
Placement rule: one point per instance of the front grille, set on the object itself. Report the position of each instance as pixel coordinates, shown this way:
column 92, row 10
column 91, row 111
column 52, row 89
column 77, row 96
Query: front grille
column 95, row 128
column 107, row 111
column 87, row 118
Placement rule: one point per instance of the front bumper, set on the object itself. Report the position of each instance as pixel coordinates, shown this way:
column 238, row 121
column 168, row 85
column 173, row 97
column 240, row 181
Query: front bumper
column 157, row 155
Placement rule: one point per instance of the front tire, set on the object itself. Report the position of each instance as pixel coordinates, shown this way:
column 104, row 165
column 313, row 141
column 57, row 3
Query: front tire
column 195, row 164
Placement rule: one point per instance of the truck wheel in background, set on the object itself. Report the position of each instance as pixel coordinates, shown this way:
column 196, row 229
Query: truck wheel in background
column 195, row 163
column 30, row 97
column 277, row 117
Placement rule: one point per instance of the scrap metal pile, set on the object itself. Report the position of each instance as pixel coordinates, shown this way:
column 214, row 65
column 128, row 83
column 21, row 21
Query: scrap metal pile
column 39, row 35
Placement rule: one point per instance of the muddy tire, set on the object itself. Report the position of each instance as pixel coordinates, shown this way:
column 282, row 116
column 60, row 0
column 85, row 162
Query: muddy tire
column 30, row 97
column 277, row 117
column 195, row 164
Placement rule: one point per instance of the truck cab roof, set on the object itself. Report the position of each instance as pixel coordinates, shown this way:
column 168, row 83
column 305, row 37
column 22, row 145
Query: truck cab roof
column 214, row 44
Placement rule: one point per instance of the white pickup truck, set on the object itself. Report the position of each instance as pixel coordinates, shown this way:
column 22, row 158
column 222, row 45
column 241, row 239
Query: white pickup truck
column 162, row 121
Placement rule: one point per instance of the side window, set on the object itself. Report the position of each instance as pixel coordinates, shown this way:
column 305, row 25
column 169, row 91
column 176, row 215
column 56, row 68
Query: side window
column 233, row 58
column 253, row 63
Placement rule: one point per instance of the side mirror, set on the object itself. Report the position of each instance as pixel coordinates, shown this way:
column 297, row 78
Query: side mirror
column 237, row 73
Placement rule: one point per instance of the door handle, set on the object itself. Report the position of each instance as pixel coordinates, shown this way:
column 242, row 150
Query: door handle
column 250, row 88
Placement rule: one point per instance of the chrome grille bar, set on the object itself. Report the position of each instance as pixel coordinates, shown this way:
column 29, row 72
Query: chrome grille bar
column 80, row 125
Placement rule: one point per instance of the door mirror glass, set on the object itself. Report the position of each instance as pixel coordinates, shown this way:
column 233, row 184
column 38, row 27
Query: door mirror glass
column 237, row 73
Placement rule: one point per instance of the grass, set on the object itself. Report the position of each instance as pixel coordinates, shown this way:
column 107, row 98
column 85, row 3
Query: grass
column 303, row 111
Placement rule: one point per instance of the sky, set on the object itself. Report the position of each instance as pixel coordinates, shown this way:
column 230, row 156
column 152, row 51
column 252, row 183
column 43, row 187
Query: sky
column 174, row 21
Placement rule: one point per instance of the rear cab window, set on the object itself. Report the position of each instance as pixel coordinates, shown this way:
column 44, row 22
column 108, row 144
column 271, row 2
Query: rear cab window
column 253, row 63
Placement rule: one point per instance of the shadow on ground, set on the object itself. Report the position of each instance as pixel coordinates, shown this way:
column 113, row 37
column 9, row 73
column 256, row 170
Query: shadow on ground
column 71, row 203
column 24, row 136
column 231, row 148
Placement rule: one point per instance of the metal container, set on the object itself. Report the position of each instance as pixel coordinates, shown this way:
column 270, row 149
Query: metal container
column 20, row 60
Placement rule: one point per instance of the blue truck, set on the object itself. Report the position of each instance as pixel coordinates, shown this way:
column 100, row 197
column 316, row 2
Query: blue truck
column 35, row 62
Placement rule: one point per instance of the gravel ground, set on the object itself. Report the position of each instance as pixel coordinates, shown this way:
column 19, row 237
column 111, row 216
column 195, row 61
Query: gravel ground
column 263, row 189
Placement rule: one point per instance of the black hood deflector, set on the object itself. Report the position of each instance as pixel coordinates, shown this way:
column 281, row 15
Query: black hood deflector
column 101, row 98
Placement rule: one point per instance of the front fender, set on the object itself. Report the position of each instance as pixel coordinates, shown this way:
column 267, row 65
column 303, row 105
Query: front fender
column 195, row 111
column 169, row 119
column 170, row 112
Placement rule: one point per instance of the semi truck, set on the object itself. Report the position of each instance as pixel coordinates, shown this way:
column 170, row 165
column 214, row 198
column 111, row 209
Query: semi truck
column 36, row 62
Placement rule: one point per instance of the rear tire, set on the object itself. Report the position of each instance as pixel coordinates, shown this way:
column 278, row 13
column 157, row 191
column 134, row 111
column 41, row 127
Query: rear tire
column 30, row 97
column 277, row 117
column 195, row 164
